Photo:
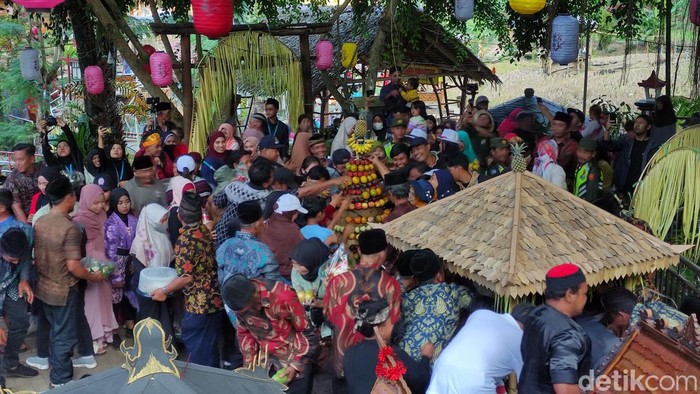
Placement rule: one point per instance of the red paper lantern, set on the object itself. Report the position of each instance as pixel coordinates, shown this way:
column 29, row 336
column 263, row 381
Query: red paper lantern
column 695, row 12
column 213, row 18
column 324, row 55
column 150, row 50
column 39, row 5
column 161, row 69
column 94, row 81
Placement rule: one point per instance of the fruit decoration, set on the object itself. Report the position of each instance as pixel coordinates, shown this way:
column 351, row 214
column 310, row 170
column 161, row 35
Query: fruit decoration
column 358, row 141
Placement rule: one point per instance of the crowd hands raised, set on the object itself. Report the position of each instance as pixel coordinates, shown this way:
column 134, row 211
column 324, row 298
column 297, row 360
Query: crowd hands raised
column 269, row 253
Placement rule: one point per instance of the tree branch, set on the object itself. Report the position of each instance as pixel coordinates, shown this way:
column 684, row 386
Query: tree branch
column 376, row 51
column 339, row 97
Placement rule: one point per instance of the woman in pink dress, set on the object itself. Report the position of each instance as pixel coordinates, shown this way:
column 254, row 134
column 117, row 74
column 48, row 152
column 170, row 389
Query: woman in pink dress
column 98, row 295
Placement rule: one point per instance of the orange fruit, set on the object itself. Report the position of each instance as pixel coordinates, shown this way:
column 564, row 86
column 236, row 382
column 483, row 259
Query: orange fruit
column 364, row 219
column 358, row 220
column 348, row 219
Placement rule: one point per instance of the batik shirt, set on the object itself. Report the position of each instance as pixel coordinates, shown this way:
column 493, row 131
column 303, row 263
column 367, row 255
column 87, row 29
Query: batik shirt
column 431, row 314
column 281, row 328
column 194, row 255
column 245, row 255
column 344, row 294
column 23, row 186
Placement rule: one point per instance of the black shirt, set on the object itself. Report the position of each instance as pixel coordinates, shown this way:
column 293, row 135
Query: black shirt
column 635, row 168
column 555, row 349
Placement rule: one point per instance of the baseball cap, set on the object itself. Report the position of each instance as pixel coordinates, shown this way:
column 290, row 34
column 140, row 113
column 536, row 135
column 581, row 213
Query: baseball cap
column 185, row 164
column 285, row 176
column 268, row 142
column 104, row 181
column 418, row 133
column 341, row 156
column 398, row 122
column 498, row 142
column 449, row 135
column 482, row 99
column 415, row 141
column 289, row 203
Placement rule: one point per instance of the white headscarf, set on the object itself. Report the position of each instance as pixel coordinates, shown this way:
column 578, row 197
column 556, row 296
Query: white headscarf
column 152, row 245
column 341, row 139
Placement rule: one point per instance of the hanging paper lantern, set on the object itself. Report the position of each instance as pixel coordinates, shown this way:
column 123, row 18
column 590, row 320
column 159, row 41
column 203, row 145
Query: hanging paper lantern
column 29, row 64
column 464, row 9
column 213, row 18
column 161, row 69
column 94, row 81
column 39, row 5
column 324, row 55
column 150, row 50
column 349, row 53
column 564, row 47
column 695, row 12
column 527, row 7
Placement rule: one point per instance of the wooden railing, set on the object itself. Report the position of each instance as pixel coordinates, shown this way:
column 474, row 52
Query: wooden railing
column 673, row 283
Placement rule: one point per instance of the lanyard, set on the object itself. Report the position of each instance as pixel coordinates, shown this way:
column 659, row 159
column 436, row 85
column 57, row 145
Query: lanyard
column 69, row 168
column 120, row 173
column 277, row 125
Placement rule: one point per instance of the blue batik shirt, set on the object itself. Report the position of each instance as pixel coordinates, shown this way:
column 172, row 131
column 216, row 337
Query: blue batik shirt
column 431, row 313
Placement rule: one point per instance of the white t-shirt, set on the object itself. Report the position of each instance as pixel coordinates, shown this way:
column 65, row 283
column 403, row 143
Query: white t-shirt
column 484, row 351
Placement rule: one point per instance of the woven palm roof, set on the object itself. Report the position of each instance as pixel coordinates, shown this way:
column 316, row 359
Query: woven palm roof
column 504, row 234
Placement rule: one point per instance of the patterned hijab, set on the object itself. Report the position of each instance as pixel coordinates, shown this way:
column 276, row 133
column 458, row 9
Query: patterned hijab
column 547, row 152
column 152, row 245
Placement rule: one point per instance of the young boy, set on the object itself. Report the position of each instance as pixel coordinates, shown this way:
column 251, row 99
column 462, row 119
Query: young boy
column 500, row 155
column 588, row 179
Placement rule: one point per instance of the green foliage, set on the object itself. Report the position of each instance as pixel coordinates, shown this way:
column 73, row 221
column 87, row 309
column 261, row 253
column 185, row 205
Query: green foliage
column 684, row 106
column 12, row 133
column 15, row 89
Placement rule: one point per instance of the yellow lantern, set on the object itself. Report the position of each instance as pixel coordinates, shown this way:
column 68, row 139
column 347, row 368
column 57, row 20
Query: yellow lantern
column 527, row 7
column 349, row 52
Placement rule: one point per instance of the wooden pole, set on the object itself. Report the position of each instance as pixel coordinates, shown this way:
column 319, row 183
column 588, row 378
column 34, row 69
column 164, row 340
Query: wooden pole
column 585, row 60
column 669, row 5
column 306, row 74
column 187, row 93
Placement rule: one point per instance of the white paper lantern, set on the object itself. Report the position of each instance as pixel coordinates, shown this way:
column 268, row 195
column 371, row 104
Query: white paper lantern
column 464, row 9
column 564, row 46
column 29, row 64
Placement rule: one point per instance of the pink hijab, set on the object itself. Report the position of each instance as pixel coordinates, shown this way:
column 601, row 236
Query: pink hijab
column 547, row 152
column 509, row 124
column 179, row 185
column 94, row 223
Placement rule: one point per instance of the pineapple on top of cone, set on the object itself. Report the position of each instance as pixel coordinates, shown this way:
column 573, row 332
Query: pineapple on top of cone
column 359, row 141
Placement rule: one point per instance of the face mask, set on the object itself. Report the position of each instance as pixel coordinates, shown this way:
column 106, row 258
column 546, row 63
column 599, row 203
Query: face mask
column 378, row 126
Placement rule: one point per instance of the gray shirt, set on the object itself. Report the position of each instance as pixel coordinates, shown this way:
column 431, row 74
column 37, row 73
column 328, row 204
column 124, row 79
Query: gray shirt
column 142, row 195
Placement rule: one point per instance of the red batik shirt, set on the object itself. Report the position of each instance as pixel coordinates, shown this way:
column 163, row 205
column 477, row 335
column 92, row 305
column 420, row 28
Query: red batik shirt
column 344, row 294
column 281, row 326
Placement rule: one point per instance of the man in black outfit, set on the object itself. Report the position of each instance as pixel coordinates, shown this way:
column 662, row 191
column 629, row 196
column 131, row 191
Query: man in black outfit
column 556, row 350
column 276, row 128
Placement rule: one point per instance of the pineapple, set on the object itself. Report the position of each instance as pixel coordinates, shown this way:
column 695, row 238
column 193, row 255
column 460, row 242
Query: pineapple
column 360, row 129
column 518, row 164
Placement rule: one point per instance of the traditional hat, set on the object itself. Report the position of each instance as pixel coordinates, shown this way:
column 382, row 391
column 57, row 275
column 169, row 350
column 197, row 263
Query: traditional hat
column 562, row 117
column 190, row 202
column 403, row 262
column 163, row 106
column 588, row 144
column 14, row 243
column 151, row 139
column 425, row 264
column 564, row 276
column 237, row 291
column 142, row 162
column 372, row 241
column 59, row 188
column 248, row 212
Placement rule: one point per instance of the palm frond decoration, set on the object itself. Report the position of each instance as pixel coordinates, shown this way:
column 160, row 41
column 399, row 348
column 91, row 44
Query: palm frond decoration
column 244, row 63
column 688, row 137
column 668, row 198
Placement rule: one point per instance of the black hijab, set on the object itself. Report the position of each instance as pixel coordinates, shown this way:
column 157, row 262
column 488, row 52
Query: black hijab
column 89, row 166
column 311, row 254
column 665, row 116
column 118, row 193
column 49, row 173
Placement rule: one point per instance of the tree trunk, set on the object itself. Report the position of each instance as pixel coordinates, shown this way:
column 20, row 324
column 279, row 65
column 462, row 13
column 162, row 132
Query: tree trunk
column 376, row 51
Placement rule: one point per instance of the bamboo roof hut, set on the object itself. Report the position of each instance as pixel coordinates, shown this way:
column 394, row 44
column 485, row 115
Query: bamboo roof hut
column 506, row 233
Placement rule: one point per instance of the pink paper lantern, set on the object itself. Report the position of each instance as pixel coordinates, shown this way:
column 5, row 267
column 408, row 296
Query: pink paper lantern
column 39, row 5
column 94, row 81
column 213, row 18
column 161, row 69
column 695, row 12
column 324, row 55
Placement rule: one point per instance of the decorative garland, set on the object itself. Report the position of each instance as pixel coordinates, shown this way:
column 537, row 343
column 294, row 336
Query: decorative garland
column 384, row 368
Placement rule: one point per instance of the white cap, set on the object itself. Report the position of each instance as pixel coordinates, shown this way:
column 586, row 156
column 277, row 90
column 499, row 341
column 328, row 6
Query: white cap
column 449, row 135
column 185, row 163
column 430, row 172
column 288, row 202
column 418, row 133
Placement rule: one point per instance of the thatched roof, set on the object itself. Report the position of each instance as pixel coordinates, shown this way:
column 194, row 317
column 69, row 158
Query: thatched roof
column 435, row 54
column 504, row 234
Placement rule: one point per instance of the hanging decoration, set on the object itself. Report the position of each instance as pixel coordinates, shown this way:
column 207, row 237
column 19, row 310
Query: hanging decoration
column 213, row 18
column 161, row 69
column 564, row 46
column 150, row 50
column 349, row 54
column 695, row 12
column 94, row 80
column 527, row 7
column 464, row 9
column 29, row 64
column 39, row 5
column 324, row 55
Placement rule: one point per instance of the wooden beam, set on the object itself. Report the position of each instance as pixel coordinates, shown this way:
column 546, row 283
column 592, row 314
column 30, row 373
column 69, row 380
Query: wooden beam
column 288, row 30
column 306, row 74
column 188, row 94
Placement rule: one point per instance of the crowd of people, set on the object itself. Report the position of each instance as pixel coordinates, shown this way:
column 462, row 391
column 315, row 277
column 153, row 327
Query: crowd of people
column 251, row 225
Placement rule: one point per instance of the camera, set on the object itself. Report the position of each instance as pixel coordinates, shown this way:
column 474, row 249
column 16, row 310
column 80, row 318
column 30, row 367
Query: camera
column 472, row 88
column 50, row 121
column 153, row 102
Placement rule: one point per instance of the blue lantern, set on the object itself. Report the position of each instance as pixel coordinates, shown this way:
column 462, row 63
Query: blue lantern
column 464, row 9
column 564, row 46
